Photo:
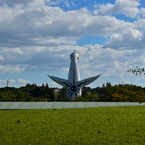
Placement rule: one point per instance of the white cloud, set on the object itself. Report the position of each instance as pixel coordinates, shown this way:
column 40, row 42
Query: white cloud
column 36, row 37
column 1, row 57
column 16, row 1
column 67, row 4
column 127, row 7
column 3, row 81
column 11, row 68
column 140, row 23
column 109, row 62
column 22, row 3
column 143, row 11
column 93, row 60
column 23, row 81
column 51, row 26
column 18, row 51
column 131, row 39
column 12, row 80
column 65, row 69
column 36, row 2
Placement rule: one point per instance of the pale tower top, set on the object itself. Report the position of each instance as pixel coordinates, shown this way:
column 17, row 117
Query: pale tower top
column 74, row 54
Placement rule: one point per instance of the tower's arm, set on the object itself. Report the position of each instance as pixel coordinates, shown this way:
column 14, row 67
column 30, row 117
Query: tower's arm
column 60, row 81
column 83, row 83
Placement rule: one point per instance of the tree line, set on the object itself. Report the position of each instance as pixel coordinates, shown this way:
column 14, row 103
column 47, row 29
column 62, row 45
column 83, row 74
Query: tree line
column 106, row 93
column 28, row 93
column 116, row 93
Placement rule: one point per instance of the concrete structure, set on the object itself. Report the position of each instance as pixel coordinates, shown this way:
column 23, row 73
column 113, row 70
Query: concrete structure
column 74, row 84
column 62, row 105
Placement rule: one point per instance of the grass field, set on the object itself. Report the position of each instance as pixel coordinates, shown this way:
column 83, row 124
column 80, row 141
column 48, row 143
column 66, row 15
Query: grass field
column 85, row 126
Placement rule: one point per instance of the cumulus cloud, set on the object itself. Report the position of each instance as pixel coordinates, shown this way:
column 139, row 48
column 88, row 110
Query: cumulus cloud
column 140, row 24
column 38, row 37
column 1, row 57
column 127, row 7
column 51, row 26
column 143, row 11
column 3, row 81
column 16, row 1
column 11, row 68
column 23, row 81
column 93, row 60
column 36, row 2
column 109, row 62
column 23, row 3
column 132, row 39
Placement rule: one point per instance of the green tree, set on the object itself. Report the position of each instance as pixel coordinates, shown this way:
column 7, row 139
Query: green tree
column 90, row 98
column 46, row 95
column 84, row 92
column 62, row 96
column 77, row 99
column 51, row 94
column 20, row 96
column 102, row 98
column 119, row 98
column 137, row 96
column 108, row 84
column 93, row 91
column 47, row 86
column 137, row 71
column 43, row 88
column 7, row 96
column 24, row 97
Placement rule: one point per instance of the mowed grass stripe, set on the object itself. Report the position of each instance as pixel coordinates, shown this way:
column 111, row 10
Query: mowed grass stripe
column 101, row 125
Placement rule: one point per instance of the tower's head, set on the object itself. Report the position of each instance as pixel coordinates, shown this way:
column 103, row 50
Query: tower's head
column 74, row 55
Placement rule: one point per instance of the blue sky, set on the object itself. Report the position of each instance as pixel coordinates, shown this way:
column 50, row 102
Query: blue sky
column 37, row 38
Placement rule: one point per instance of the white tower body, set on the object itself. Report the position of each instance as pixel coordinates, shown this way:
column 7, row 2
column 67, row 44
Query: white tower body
column 74, row 84
column 74, row 75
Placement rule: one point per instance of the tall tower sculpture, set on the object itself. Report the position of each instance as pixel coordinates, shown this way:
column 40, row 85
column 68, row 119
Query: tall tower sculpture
column 7, row 83
column 74, row 84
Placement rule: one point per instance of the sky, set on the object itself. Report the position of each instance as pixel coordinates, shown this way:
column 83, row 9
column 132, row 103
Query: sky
column 38, row 36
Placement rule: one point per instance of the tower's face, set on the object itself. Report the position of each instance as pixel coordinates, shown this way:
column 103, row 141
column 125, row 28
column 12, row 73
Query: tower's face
column 73, row 91
column 73, row 88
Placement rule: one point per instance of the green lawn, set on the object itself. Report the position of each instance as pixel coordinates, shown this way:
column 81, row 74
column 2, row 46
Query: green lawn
column 85, row 126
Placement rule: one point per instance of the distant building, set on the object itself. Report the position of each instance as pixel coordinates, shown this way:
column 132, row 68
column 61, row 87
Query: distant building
column 56, row 90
